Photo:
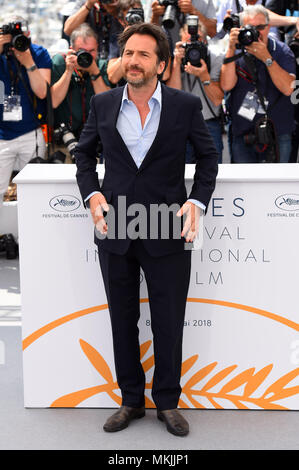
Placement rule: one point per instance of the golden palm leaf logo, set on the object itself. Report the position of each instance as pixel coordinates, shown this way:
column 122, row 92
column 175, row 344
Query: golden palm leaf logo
column 198, row 386
column 240, row 388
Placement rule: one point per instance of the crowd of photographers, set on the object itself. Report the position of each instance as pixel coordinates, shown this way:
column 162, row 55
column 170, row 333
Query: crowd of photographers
column 241, row 58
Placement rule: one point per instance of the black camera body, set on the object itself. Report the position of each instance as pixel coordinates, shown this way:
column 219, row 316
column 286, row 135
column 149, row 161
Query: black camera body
column 247, row 35
column 135, row 15
column 19, row 41
column 84, row 58
column 171, row 12
column 195, row 50
column 264, row 135
column 232, row 21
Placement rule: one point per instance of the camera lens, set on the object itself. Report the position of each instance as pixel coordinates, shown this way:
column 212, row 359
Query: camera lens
column 169, row 17
column 21, row 43
column 84, row 59
column 248, row 35
column 194, row 56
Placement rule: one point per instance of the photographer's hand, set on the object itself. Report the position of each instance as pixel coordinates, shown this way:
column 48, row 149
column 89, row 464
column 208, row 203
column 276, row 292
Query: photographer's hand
column 179, row 52
column 175, row 79
column 157, row 11
column 98, row 204
column 70, row 61
column 25, row 58
column 186, row 6
column 233, row 41
column 4, row 39
column 259, row 50
column 200, row 72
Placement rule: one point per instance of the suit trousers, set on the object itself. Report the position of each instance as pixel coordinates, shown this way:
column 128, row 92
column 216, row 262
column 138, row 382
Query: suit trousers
column 16, row 153
column 167, row 279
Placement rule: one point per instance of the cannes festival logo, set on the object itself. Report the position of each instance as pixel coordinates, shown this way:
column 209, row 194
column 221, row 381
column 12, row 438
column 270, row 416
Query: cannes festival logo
column 288, row 202
column 64, row 203
column 201, row 383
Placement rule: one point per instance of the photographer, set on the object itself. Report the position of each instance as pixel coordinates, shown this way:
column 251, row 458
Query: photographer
column 203, row 9
column 276, row 12
column 75, row 78
column 25, row 69
column 260, row 80
column 102, row 18
column 196, row 70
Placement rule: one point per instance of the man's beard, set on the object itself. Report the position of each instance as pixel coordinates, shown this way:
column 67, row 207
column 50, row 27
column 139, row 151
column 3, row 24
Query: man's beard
column 140, row 81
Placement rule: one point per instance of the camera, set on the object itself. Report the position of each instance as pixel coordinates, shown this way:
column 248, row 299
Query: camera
column 84, row 58
column 19, row 41
column 171, row 12
column 135, row 15
column 230, row 22
column 264, row 135
column 195, row 50
column 64, row 134
column 248, row 34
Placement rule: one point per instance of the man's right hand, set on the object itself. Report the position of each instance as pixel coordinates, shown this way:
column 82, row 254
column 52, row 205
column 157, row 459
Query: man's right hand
column 157, row 9
column 233, row 38
column 90, row 3
column 4, row 39
column 179, row 52
column 98, row 204
column 71, row 60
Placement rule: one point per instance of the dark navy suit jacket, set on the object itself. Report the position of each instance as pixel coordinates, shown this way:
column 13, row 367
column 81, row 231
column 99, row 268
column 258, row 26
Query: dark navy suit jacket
column 161, row 177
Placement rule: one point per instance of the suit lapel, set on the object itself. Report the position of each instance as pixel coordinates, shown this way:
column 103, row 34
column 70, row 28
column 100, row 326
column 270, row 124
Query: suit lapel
column 115, row 107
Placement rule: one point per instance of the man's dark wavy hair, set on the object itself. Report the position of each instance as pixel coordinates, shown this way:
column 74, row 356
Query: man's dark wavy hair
column 162, row 49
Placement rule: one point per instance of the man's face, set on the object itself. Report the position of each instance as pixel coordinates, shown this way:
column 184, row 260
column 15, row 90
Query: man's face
column 259, row 21
column 89, row 44
column 140, row 62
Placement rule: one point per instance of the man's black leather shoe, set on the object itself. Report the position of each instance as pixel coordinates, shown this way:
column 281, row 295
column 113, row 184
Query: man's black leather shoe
column 174, row 421
column 121, row 419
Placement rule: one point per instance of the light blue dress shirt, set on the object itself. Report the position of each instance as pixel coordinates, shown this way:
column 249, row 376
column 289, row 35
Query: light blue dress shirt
column 139, row 139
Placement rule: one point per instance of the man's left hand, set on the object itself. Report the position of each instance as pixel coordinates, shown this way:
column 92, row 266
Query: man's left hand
column 25, row 58
column 186, row 6
column 93, row 69
column 200, row 72
column 259, row 50
column 191, row 225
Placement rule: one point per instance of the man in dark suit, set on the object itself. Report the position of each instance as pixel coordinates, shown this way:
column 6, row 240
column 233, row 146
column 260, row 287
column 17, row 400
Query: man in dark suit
column 144, row 128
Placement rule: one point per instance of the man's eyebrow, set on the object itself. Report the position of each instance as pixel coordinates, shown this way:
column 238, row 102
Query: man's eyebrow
column 131, row 50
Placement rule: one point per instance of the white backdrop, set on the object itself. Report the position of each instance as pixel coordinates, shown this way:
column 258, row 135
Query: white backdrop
column 241, row 344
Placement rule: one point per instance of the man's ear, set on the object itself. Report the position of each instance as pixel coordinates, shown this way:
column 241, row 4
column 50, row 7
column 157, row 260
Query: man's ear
column 161, row 67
